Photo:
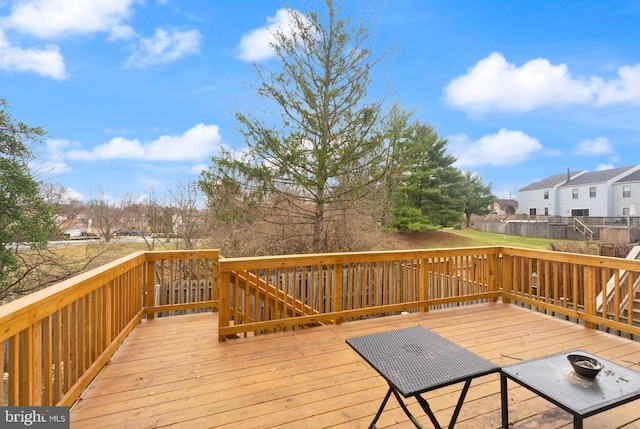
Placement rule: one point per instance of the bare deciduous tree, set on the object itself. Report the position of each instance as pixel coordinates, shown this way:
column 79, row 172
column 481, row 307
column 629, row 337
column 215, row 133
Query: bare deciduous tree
column 107, row 214
column 189, row 222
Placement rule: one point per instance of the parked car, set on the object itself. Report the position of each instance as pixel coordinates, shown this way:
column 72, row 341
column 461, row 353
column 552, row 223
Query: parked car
column 127, row 232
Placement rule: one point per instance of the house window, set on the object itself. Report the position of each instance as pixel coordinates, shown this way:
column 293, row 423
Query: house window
column 546, row 211
column 592, row 192
column 626, row 191
column 546, row 194
column 625, row 211
column 532, row 212
column 574, row 193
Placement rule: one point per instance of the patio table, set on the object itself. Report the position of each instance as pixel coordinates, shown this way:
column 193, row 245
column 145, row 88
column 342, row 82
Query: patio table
column 416, row 360
column 553, row 378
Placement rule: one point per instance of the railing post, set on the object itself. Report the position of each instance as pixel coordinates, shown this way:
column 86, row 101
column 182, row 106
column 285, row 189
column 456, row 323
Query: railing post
column 506, row 278
column 223, row 308
column 337, row 293
column 492, row 275
column 151, row 287
column 589, row 294
column 215, row 281
column 423, row 283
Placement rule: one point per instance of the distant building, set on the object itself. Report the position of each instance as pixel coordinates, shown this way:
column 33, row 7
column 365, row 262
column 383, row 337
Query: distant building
column 503, row 206
column 605, row 193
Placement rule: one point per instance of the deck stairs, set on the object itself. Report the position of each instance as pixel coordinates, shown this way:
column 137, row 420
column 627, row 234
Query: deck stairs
column 583, row 229
column 625, row 301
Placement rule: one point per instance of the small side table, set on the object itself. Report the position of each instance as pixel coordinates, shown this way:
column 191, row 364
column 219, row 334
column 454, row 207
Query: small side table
column 553, row 378
column 416, row 360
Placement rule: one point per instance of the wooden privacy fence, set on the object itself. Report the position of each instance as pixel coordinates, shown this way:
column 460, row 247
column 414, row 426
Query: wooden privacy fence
column 53, row 342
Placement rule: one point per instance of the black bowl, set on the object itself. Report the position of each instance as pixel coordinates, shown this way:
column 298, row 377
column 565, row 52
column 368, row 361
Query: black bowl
column 585, row 366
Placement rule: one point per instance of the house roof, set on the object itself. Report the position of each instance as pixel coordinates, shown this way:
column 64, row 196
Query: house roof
column 584, row 177
column 507, row 202
column 633, row 177
column 601, row 176
column 552, row 181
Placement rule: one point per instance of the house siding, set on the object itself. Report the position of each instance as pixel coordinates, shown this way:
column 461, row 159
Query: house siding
column 620, row 202
column 598, row 206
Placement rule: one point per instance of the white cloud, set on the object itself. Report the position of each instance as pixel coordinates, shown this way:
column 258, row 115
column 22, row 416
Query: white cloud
column 56, row 146
column 164, row 47
column 54, row 19
column 507, row 147
column 50, row 160
column 626, row 89
column 46, row 62
column 58, row 19
column 194, row 145
column 72, row 195
column 494, row 84
column 256, row 45
column 121, row 32
column 601, row 167
column 198, row 168
column 596, row 147
column 53, row 167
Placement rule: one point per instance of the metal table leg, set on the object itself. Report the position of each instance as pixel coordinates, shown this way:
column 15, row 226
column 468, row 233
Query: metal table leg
column 504, row 400
column 384, row 402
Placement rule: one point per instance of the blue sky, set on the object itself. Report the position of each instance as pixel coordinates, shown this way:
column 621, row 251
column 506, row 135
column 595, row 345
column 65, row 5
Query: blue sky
column 137, row 95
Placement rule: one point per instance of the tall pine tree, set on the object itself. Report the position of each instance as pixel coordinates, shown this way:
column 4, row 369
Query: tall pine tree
column 324, row 145
column 428, row 194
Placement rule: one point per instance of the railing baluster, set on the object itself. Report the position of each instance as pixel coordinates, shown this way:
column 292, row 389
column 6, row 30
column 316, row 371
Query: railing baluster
column 14, row 370
column 3, row 396
column 47, row 361
column 58, row 358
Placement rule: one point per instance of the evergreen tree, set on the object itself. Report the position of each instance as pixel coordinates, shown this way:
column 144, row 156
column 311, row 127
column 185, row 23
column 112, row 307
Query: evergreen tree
column 325, row 144
column 429, row 193
column 477, row 196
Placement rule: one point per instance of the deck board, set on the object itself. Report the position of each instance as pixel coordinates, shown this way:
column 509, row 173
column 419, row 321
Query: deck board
column 172, row 373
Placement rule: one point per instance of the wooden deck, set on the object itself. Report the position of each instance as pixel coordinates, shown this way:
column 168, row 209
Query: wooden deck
column 172, row 373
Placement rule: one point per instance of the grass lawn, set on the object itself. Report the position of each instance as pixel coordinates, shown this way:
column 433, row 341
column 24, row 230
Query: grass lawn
column 467, row 237
column 481, row 238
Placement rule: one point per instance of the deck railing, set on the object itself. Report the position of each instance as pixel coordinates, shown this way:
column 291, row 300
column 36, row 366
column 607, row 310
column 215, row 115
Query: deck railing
column 278, row 293
column 181, row 281
column 574, row 286
column 54, row 342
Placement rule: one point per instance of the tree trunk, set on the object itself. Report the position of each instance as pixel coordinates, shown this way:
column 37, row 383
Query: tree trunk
column 318, row 229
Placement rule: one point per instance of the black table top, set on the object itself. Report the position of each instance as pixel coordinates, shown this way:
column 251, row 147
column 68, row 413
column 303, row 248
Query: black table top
column 553, row 377
column 416, row 360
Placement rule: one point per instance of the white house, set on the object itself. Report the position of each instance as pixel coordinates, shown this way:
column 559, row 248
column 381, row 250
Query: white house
column 605, row 193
